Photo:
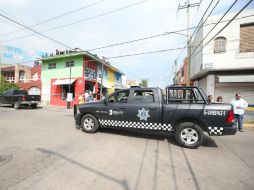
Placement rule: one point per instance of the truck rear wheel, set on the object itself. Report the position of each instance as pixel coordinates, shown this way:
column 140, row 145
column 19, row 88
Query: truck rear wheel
column 16, row 105
column 189, row 135
column 89, row 123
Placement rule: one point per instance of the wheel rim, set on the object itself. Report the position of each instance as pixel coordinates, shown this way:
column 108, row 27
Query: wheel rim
column 88, row 123
column 189, row 136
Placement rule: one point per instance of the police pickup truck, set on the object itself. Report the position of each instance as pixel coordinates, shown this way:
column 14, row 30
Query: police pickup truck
column 183, row 111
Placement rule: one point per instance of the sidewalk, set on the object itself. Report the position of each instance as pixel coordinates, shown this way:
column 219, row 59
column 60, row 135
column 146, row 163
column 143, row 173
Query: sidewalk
column 249, row 125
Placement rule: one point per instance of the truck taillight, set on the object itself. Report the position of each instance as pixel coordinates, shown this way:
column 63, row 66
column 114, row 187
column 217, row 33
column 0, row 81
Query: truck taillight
column 23, row 98
column 230, row 118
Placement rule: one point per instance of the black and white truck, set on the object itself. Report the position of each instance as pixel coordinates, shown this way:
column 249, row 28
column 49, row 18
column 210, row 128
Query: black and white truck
column 181, row 110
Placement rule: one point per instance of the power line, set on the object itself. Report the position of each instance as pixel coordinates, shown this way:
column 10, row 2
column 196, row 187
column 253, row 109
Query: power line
column 201, row 21
column 56, row 17
column 231, row 20
column 82, row 20
column 35, row 31
column 143, row 53
column 214, row 27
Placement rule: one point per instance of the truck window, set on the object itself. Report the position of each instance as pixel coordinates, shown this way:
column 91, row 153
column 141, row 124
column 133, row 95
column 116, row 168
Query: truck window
column 119, row 97
column 181, row 95
column 143, row 96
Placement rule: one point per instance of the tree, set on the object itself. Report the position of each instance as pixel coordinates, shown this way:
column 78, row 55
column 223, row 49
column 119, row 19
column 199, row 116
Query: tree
column 144, row 83
column 4, row 85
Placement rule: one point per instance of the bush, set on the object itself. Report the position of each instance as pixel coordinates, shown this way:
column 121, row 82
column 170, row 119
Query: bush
column 4, row 85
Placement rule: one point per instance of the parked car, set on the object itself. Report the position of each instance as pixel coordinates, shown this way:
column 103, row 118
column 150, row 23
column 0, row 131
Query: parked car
column 18, row 98
column 183, row 111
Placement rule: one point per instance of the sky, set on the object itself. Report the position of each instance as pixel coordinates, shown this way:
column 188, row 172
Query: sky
column 135, row 19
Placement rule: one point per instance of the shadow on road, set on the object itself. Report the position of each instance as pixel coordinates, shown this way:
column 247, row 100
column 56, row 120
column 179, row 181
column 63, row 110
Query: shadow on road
column 20, row 108
column 123, row 183
column 155, row 135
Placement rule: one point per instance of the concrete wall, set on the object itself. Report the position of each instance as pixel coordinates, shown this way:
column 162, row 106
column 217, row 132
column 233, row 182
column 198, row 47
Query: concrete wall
column 232, row 58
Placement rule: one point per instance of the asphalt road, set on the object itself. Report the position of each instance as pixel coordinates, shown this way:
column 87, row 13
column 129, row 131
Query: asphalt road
column 40, row 149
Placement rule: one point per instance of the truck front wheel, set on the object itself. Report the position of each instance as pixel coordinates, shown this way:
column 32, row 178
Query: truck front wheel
column 189, row 135
column 89, row 123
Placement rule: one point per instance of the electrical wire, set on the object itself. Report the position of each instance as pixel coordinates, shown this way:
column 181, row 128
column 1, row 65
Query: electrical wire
column 82, row 20
column 51, row 39
column 143, row 53
column 198, row 27
column 214, row 27
column 56, row 17
column 231, row 20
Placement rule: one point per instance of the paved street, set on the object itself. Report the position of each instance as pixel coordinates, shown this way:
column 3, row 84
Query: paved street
column 40, row 149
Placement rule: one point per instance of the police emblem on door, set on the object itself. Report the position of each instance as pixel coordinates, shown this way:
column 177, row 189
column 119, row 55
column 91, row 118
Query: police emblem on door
column 143, row 114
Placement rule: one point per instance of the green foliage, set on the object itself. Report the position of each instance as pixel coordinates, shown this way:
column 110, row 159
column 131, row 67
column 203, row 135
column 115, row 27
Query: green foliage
column 4, row 85
column 144, row 83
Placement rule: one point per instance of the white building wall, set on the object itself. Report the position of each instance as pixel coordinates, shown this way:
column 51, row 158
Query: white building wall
column 232, row 58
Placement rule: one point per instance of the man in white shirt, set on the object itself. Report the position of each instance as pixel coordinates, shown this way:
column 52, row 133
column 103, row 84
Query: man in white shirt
column 239, row 105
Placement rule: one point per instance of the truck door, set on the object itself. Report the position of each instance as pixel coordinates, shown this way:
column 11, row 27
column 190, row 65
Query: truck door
column 145, row 106
column 117, row 109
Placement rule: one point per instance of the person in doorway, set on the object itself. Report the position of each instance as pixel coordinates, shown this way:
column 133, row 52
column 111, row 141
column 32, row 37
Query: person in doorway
column 209, row 99
column 86, row 95
column 239, row 105
column 81, row 99
column 219, row 99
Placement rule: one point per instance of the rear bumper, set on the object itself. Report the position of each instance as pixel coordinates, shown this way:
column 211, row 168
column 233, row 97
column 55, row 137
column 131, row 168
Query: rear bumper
column 30, row 102
column 229, row 130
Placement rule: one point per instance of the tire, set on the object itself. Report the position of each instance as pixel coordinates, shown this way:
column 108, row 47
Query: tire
column 16, row 105
column 189, row 135
column 89, row 123
column 33, row 106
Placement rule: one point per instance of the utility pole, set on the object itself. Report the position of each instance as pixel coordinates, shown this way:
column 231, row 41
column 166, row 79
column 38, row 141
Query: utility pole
column 187, row 6
column 102, row 73
column 175, row 72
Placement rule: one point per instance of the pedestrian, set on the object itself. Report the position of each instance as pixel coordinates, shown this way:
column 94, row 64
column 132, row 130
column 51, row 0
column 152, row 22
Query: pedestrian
column 81, row 99
column 86, row 94
column 90, row 97
column 239, row 105
column 209, row 99
column 219, row 99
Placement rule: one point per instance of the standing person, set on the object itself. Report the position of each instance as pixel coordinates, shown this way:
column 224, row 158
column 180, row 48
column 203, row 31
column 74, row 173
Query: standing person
column 90, row 97
column 209, row 99
column 219, row 99
column 81, row 99
column 239, row 105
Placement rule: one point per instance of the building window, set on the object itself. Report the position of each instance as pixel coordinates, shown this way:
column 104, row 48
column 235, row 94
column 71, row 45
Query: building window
column 247, row 37
column 220, row 45
column 69, row 64
column 52, row 66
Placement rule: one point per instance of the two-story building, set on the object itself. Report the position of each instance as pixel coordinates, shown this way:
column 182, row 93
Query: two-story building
column 26, row 77
column 76, row 73
column 225, row 65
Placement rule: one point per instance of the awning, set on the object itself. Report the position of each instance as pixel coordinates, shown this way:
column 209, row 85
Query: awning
column 63, row 81
column 105, row 85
